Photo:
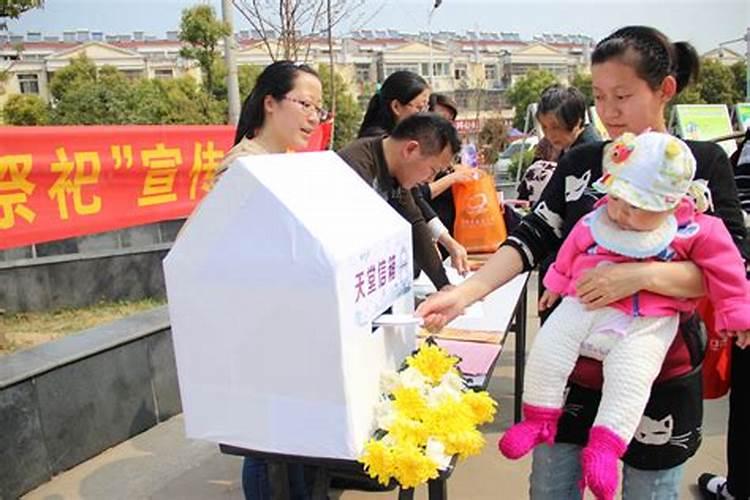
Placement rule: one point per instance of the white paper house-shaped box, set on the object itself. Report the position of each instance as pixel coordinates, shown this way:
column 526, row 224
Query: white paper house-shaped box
column 272, row 286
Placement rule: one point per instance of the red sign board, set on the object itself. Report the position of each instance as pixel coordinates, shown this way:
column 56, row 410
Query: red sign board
column 60, row 182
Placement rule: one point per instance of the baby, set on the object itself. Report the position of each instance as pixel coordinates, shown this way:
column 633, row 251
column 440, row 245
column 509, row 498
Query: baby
column 646, row 215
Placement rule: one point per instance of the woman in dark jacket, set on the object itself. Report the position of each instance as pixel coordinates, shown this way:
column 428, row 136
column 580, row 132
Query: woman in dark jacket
column 636, row 71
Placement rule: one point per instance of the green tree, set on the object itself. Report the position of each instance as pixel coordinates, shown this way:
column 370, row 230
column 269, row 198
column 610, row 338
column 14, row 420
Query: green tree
column 202, row 31
column 526, row 159
column 23, row 109
column 527, row 90
column 85, row 95
column 582, row 81
column 716, row 82
column 80, row 70
column 739, row 70
column 247, row 76
column 348, row 113
column 178, row 101
column 14, row 8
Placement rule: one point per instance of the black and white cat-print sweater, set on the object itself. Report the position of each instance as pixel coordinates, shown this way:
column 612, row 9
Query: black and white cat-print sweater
column 569, row 195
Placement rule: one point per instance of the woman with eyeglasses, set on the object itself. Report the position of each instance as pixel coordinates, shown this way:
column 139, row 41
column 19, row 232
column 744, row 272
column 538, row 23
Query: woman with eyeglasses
column 278, row 116
column 281, row 112
column 401, row 95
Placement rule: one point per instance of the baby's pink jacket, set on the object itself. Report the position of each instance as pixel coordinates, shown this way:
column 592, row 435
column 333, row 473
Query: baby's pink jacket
column 701, row 239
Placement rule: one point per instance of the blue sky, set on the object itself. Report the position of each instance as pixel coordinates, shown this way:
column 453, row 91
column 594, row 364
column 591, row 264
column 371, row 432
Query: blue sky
column 705, row 23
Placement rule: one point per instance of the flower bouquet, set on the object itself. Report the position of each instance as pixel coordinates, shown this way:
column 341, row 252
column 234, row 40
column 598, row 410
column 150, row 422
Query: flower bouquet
column 426, row 415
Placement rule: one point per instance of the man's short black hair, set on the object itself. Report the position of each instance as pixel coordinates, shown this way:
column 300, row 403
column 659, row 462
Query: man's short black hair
column 430, row 130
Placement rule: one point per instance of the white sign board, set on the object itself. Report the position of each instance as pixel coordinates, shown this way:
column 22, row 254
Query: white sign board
column 272, row 286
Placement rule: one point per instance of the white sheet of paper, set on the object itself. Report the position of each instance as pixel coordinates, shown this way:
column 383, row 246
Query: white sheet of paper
column 493, row 313
column 396, row 320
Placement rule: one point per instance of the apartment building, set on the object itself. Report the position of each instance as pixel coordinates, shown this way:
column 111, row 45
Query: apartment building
column 475, row 67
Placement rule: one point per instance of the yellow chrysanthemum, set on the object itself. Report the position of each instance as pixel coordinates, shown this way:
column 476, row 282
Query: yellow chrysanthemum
column 412, row 467
column 378, row 461
column 407, row 430
column 432, row 361
column 447, row 418
column 429, row 416
column 409, row 402
column 482, row 406
column 464, row 443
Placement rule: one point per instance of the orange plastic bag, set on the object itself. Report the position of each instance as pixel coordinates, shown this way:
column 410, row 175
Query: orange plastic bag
column 479, row 225
column 717, row 363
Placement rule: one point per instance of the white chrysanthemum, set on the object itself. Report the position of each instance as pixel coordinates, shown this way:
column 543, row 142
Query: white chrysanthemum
column 436, row 451
column 454, row 381
column 388, row 441
column 385, row 414
column 389, row 382
column 413, row 378
column 442, row 393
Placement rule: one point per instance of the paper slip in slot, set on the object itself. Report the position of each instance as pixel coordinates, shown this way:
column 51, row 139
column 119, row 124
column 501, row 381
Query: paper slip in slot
column 485, row 337
column 397, row 320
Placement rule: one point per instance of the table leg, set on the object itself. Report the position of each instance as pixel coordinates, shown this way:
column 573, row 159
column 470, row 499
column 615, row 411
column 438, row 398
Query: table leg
column 520, row 363
column 405, row 493
column 437, row 489
column 320, row 486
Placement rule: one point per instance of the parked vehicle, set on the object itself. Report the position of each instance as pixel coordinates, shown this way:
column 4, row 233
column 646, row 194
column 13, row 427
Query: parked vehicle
column 501, row 166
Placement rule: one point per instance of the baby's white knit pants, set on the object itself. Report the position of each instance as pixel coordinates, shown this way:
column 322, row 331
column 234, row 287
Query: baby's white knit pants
column 632, row 358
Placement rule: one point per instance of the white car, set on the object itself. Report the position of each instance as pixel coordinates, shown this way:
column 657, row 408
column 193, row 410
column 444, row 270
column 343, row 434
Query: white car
column 503, row 163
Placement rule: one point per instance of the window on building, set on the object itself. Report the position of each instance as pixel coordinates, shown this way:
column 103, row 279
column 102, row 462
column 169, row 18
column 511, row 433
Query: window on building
column 28, row 83
column 438, row 69
column 490, row 72
column 459, row 71
column 132, row 74
column 363, row 72
column 163, row 74
column 392, row 68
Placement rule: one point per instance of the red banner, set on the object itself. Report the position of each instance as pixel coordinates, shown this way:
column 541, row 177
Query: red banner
column 467, row 126
column 60, row 182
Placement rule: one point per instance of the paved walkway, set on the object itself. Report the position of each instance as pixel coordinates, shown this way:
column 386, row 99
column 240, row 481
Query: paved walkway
column 162, row 464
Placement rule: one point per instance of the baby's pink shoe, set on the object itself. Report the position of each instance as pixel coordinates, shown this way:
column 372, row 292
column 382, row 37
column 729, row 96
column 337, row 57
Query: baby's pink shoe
column 599, row 461
column 539, row 426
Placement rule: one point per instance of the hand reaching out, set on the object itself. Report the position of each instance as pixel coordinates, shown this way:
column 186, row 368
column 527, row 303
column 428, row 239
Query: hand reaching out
column 548, row 300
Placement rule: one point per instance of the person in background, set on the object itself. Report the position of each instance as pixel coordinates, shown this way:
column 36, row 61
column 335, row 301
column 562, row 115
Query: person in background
column 279, row 115
column 417, row 149
column 636, row 71
column 736, row 484
column 438, row 193
column 546, row 151
column 401, row 95
column 561, row 113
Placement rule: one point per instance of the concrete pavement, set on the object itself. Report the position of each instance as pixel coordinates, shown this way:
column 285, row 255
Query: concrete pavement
column 162, row 464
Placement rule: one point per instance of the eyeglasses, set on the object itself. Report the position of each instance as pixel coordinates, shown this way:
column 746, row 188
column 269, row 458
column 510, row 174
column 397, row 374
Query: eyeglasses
column 309, row 108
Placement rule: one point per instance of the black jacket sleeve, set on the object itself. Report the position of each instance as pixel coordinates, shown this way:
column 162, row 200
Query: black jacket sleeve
column 539, row 233
column 427, row 211
column 723, row 191
column 566, row 198
column 426, row 256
